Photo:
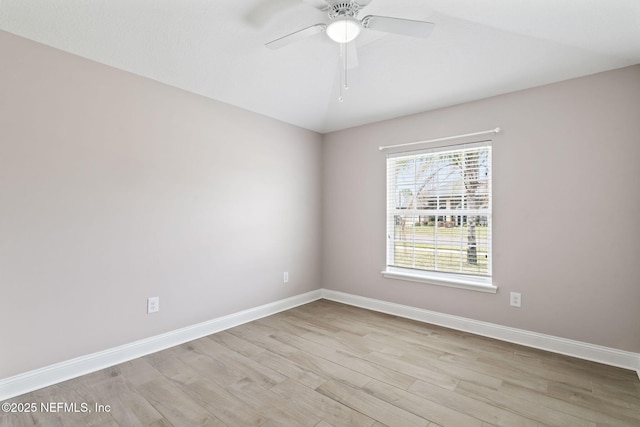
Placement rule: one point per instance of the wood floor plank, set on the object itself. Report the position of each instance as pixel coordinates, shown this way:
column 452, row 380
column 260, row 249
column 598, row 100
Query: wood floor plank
column 304, row 376
column 398, row 364
column 530, row 406
column 329, row 369
column 577, row 405
column 279, row 410
column 125, row 404
column 418, row 359
column 262, row 336
column 236, row 344
column 399, row 345
column 227, row 407
column 306, row 357
column 176, row 406
column 192, row 365
column 332, row 412
column 415, row 404
column 338, row 340
column 499, row 368
column 343, row 357
column 376, row 408
column 628, row 389
column 176, row 363
column 238, row 362
column 614, row 406
column 327, row 364
column 138, row 372
column 488, row 413
column 372, row 370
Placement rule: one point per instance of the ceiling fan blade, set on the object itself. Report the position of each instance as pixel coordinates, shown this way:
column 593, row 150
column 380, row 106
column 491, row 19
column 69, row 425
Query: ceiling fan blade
column 298, row 35
column 349, row 53
column 406, row 27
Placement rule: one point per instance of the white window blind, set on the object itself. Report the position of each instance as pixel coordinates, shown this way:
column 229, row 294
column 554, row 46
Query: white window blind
column 439, row 211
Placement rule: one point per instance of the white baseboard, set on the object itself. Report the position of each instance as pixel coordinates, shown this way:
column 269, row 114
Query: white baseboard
column 581, row 350
column 53, row 374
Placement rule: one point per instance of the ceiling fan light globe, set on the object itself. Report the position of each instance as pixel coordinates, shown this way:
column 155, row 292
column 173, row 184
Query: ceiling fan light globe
column 344, row 30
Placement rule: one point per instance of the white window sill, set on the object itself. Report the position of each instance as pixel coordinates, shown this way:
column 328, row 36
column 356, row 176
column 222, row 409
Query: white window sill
column 459, row 281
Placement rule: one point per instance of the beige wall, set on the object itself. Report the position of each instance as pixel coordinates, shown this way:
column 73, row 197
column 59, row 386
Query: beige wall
column 566, row 209
column 115, row 188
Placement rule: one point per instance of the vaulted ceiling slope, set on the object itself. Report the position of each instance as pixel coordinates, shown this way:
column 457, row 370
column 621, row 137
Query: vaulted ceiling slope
column 216, row 49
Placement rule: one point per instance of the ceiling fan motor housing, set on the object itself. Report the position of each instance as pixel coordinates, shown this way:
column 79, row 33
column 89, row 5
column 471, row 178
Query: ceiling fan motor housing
column 344, row 9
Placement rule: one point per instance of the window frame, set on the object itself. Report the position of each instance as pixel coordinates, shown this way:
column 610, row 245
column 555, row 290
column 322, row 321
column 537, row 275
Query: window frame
column 475, row 282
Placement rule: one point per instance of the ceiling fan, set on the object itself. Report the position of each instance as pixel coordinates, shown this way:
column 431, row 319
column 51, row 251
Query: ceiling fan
column 345, row 26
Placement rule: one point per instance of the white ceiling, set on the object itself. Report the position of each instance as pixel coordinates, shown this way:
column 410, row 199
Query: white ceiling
column 216, row 48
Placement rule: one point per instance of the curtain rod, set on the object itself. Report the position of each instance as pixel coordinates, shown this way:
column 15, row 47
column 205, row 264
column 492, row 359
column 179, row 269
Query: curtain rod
column 484, row 132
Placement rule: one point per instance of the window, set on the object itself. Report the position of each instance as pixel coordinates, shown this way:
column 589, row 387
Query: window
column 439, row 216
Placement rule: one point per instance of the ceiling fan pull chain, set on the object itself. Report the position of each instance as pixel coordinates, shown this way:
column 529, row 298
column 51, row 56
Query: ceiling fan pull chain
column 340, row 96
column 343, row 70
column 344, row 58
column 345, row 61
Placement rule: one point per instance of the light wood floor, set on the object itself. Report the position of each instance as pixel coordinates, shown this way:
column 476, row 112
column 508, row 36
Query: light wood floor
column 327, row 364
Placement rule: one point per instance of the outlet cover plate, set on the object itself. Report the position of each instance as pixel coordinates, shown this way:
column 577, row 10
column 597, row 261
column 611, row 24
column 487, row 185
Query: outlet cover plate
column 153, row 305
column 515, row 299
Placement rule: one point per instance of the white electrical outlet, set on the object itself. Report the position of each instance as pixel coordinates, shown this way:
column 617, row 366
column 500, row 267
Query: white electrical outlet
column 153, row 305
column 516, row 299
column 285, row 277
